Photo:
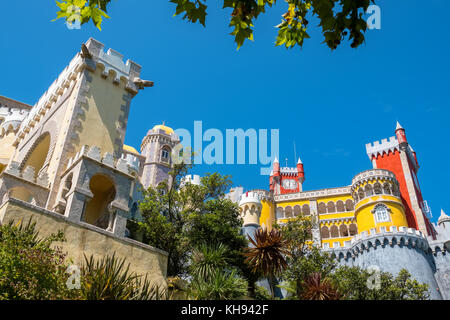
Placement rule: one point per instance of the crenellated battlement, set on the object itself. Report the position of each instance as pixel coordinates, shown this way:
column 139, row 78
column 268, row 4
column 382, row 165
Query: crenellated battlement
column 29, row 174
column 379, row 148
column 111, row 65
column 11, row 119
column 286, row 171
column 392, row 236
column 378, row 174
column 107, row 159
column 250, row 197
column 192, row 179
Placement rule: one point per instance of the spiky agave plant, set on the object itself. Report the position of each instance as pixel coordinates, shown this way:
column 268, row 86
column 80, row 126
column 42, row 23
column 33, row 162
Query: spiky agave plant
column 316, row 288
column 222, row 285
column 206, row 259
column 109, row 279
column 267, row 256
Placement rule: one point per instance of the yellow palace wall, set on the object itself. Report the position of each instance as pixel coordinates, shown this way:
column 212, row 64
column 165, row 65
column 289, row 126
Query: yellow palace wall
column 366, row 219
column 325, row 217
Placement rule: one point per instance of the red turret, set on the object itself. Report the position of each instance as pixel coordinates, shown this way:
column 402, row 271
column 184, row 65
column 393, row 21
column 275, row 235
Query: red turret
column 276, row 168
column 401, row 135
column 274, row 175
column 301, row 171
column 397, row 156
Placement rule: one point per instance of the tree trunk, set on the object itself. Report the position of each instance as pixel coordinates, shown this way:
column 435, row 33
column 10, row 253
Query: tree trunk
column 272, row 286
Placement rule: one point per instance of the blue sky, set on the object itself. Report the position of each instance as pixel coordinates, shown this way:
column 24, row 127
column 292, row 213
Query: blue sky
column 330, row 103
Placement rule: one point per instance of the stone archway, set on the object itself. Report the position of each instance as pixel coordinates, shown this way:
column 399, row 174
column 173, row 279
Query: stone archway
column 96, row 210
column 38, row 154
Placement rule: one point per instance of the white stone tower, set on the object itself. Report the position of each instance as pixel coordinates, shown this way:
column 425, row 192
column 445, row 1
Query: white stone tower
column 250, row 211
column 157, row 149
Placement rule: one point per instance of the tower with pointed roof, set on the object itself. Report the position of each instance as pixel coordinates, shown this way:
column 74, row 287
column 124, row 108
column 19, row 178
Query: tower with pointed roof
column 157, row 148
column 397, row 156
column 285, row 180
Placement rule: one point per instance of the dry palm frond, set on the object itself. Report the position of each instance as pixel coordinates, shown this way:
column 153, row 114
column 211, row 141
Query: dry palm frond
column 318, row 289
column 267, row 255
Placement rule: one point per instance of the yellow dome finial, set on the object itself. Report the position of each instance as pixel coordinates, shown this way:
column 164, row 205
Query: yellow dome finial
column 163, row 127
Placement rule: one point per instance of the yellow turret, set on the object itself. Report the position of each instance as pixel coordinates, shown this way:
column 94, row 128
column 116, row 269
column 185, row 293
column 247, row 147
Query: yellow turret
column 378, row 203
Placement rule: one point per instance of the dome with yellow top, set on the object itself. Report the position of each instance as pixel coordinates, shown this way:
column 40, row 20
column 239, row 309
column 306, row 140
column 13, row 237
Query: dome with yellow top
column 163, row 127
column 130, row 149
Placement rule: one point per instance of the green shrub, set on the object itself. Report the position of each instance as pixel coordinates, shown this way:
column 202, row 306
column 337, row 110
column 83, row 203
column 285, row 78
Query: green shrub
column 29, row 268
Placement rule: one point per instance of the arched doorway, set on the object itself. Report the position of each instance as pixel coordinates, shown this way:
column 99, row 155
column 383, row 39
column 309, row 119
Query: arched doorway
column 96, row 210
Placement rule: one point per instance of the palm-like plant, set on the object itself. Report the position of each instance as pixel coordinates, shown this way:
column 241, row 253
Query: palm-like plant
column 206, row 259
column 316, row 288
column 267, row 254
column 222, row 285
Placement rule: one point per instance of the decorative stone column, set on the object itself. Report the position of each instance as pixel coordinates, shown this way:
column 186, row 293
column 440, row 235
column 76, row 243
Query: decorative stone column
column 76, row 202
column 316, row 222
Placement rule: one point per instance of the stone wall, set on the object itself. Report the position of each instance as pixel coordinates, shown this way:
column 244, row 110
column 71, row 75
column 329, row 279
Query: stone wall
column 82, row 238
column 393, row 251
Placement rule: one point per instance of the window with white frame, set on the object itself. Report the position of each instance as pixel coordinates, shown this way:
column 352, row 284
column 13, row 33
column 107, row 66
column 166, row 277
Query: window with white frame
column 165, row 155
column 381, row 213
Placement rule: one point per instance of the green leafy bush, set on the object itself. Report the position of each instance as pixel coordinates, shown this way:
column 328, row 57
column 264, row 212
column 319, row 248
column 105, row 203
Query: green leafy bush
column 29, row 267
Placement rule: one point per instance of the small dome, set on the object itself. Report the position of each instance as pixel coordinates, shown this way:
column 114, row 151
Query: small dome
column 443, row 217
column 163, row 127
column 130, row 149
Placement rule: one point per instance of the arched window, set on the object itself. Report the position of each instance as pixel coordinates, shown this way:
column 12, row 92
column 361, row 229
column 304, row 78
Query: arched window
column 305, row 210
column 324, row 232
column 353, row 229
column 297, row 211
column 165, row 154
column 340, row 207
column 331, row 208
column 343, row 230
column 369, row 190
column 349, row 206
column 386, row 188
column 355, row 197
column 381, row 213
column 322, row 208
column 395, row 190
column 280, row 213
column 377, row 188
column 361, row 193
column 288, row 212
column 334, row 231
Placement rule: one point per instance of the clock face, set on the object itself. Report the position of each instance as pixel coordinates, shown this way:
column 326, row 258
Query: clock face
column 289, row 184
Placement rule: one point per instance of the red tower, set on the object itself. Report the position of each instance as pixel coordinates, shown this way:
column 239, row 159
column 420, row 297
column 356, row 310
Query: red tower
column 287, row 180
column 396, row 155
column 301, row 171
